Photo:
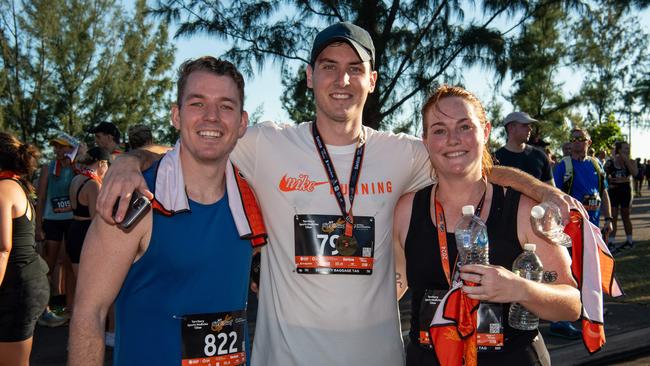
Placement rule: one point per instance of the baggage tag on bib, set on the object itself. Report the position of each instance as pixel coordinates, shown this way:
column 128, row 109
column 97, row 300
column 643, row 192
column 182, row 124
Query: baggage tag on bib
column 489, row 327
column 60, row 204
column 428, row 306
column 322, row 248
column 216, row 339
column 591, row 202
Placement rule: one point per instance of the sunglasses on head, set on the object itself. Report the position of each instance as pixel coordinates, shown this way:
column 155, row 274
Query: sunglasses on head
column 578, row 139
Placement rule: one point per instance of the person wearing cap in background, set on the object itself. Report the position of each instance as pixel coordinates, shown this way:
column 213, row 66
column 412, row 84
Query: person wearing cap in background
column 107, row 136
column 54, row 215
column 139, row 136
column 518, row 154
column 327, row 282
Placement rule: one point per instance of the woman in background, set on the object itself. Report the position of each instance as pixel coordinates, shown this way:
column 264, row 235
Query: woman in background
column 84, row 190
column 620, row 168
column 24, row 288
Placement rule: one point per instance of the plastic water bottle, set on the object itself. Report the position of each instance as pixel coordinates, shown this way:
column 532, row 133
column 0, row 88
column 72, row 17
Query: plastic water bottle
column 528, row 266
column 547, row 220
column 472, row 238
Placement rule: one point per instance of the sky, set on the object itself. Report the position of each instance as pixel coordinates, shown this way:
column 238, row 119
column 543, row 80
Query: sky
column 264, row 89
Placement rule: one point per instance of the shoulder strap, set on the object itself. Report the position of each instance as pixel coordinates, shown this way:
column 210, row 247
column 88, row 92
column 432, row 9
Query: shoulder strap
column 601, row 173
column 80, row 187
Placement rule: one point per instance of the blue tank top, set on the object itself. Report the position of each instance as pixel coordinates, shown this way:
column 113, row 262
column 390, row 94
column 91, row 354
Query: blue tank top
column 195, row 263
column 58, row 193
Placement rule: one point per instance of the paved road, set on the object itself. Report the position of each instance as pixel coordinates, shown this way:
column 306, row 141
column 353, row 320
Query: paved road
column 627, row 325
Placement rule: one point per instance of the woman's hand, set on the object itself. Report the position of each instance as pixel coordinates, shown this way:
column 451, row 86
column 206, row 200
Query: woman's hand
column 491, row 283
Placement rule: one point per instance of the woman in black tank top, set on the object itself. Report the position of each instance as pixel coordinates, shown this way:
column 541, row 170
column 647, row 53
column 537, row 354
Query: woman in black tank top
column 24, row 288
column 84, row 190
column 620, row 168
column 455, row 132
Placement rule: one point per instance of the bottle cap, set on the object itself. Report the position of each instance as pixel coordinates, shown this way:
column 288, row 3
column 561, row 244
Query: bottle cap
column 530, row 247
column 468, row 210
column 537, row 212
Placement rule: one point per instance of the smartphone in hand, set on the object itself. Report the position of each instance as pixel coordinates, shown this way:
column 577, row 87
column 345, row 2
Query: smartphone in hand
column 138, row 207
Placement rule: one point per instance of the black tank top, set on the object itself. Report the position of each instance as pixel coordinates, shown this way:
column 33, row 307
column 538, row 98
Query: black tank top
column 24, row 263
column 81, row 210
column 423, row 266
column 615, row 172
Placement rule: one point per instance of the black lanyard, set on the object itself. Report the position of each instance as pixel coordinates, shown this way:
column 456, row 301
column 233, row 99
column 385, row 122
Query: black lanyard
column 334, row 180
column 441, row 227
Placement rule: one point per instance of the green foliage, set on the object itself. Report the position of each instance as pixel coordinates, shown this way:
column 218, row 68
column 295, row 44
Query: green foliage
column 535, row 57
column 604, row 135
column 610, row 46
column 69, row 64
column 419, row 44
column 297, row 99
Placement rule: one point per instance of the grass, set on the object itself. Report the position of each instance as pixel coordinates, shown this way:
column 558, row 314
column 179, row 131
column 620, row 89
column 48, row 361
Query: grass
column 633, row 273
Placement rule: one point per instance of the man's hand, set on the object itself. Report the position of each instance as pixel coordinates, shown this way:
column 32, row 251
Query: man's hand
column 121, row 180
column 564, row 201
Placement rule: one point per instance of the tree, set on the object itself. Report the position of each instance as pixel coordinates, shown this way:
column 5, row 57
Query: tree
column 418, row 43
column 535, row 58
column 609, row 47
column 604, row 135
column 72, row 63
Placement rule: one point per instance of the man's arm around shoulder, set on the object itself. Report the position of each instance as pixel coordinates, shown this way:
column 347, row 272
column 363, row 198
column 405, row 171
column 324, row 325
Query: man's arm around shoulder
column 123, row 178
column 106, row 258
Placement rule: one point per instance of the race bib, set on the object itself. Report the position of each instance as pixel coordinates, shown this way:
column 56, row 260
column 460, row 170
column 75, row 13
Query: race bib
column 216, row 339
column 428, row 306
column 591, row 202
column 489, row 328
column 322, row 248
column 61, row 204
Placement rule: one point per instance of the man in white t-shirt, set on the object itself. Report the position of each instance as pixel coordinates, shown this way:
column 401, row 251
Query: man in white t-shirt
column 327, row 286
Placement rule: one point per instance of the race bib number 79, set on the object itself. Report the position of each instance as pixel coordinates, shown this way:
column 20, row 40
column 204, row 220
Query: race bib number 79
column 216, row 339
column 320, row 247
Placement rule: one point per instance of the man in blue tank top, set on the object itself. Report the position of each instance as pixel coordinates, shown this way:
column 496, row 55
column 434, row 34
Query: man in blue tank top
column 179, row 278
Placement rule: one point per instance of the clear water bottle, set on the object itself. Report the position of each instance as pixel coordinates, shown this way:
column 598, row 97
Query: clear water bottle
column 472, row 238
column 547, row 221
column 528, row 266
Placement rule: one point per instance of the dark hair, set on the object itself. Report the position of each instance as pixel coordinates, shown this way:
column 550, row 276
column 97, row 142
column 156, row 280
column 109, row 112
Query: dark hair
column 94, row 155
column 618, row 145
column 139, row 135
column 209, row 64
column 448, row 91
column 17, row 157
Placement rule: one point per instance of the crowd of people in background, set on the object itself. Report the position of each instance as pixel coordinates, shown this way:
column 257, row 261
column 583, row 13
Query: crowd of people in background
column 57, row 214
column 70, row 181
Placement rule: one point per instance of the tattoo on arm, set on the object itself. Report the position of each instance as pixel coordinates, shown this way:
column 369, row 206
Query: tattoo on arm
column 549, row 276
column 398, row 280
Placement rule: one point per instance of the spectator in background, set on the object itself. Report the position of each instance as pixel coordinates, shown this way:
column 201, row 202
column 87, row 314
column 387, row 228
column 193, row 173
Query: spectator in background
column 516, row 153
column 84, row 190
column 54, row 214
column 620, row 168
column 107, row 136
column 638, row 178
column 24, row 289
column 566, row 149
column 139, row 136
column 582, row 177
column 601, row 155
